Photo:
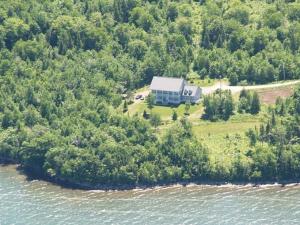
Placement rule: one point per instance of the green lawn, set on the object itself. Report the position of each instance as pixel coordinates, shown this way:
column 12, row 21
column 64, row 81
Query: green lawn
column 194, row 79
column 164, row 111
column 214, row 133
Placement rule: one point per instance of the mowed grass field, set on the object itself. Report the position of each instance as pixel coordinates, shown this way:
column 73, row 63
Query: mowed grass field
column 226, row 139
column 165, row 111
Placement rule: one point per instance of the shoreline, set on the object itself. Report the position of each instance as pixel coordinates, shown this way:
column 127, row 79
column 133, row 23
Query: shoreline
column 111, row 188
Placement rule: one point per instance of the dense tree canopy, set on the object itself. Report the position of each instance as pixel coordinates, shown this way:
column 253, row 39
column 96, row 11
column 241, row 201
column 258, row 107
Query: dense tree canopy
column 219, row 105
column 279, row 158
column 64, row 66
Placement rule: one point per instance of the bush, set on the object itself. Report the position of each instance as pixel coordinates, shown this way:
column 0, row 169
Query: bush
column 219, row 105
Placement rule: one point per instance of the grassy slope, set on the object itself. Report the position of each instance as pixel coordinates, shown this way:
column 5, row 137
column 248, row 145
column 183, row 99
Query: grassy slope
column 205, row 130
column 227, row 138
column 224, row 139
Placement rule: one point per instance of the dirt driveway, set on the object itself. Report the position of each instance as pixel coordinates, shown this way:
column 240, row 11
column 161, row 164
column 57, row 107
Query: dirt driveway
column 143, row 93
column 226, row 86
column 236, row 89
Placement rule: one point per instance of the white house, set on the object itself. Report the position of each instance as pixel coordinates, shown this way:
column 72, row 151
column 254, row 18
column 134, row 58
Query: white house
column 169, row 90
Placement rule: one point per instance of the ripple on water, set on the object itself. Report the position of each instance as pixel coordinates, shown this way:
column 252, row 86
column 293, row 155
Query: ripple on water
column 37, row 202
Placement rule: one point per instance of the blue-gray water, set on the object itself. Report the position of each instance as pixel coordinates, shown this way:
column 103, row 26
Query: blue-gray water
column 38, row 202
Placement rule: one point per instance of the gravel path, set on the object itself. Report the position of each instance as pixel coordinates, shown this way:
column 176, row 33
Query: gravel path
column 236, row 89
column 226, row 86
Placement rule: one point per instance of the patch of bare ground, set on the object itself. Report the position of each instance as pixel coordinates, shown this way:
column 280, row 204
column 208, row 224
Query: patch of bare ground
column 269, row 95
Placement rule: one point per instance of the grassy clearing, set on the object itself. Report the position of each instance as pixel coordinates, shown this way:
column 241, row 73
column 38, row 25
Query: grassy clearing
column 193, row 78
column 237, row 124
column 202, row 83
column 226, row 139
column 269, row 95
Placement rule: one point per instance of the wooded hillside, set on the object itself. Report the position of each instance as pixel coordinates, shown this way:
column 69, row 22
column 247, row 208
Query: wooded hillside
column 64, row 65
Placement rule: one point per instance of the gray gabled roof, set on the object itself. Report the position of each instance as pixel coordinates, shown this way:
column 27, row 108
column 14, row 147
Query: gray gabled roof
column 189, row 90
column 166, row 84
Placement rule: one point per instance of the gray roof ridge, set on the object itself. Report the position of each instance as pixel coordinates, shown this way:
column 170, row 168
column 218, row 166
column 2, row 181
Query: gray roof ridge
column 166, row 83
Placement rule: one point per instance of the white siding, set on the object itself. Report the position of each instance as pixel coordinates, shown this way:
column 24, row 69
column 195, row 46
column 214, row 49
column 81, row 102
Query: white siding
column 175, row 97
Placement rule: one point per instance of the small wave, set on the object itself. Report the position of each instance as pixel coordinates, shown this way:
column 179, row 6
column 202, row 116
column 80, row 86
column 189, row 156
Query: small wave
column 269, row 185
column 228, row 185
column 213, row 185
column 192, row 185
column 292, row 184
column 33, row 181
column 96, row 191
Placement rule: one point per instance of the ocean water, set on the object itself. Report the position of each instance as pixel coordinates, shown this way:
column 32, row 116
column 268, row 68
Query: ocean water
column 39, row 202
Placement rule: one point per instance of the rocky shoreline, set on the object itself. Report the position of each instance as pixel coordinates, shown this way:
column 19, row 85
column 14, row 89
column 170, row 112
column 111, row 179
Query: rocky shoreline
column 101, row 187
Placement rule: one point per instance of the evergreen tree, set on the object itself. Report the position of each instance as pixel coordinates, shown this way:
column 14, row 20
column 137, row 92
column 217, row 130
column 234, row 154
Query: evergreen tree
column 255, row 104
column 219, row 105
column 7, row 120
column 268, row 128
column 252, row 136
column 273, row 119
column 174, row 115
column 228, row 107
column 155, row 119
column 125, row 106
column 150, row 101
column 145, row 115
column 187, row 108
column 262, row 132
column 172, row 12
column 244, row 93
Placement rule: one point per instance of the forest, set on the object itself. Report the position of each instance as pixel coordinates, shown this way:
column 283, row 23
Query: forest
column 64, row 65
